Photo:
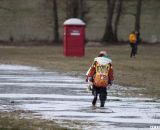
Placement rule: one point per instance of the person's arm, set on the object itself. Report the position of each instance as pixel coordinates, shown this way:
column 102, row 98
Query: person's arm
column 110, row 74
column 90, row 73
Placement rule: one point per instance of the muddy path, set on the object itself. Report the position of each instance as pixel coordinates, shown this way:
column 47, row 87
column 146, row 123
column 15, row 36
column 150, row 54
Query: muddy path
column 62, row 98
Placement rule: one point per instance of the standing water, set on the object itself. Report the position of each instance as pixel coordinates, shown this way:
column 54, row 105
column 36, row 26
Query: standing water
column 63, row 98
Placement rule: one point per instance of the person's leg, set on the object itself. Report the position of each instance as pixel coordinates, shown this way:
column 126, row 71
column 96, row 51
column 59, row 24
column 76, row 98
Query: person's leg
column 132, row 50
column 136, row 48
column 95, row 94
column 102, row 96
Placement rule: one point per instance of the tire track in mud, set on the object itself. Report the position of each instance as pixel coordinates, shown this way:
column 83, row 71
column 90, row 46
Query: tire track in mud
column 63, row 98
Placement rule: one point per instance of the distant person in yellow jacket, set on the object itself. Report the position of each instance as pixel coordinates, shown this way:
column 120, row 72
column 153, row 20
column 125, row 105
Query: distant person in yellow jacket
column 133, row 42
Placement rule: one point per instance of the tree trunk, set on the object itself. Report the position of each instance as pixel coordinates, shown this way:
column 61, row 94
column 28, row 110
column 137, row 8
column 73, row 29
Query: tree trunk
column 138, row 15
column 67, row 9
column 119, row 10
column 72, row 8
column 75, row 8
column 108, row 34
column 80, row 9
column 69, row 12
column 56, row 26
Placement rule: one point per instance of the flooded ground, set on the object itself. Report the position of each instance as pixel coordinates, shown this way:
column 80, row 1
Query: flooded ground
column 62, row 98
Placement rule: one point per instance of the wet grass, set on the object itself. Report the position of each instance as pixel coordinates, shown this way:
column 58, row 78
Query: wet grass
column 14, row 121
column 142, row 71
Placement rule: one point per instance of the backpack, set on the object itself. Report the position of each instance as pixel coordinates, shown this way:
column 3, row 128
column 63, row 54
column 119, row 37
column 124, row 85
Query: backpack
column 132, row 38
column 101, row 75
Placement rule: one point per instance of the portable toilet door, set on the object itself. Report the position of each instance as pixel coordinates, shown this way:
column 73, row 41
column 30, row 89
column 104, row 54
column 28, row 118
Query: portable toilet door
column 74, row 37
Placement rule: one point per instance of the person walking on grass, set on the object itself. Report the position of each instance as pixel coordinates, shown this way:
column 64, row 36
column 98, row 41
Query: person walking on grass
column 132, row 41
column 100, row 76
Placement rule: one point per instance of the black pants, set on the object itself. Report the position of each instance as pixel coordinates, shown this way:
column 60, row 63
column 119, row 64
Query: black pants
column 102, row 92
column 133, row 49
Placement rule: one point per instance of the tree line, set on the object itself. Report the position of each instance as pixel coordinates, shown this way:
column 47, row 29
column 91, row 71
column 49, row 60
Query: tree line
column 78, row 9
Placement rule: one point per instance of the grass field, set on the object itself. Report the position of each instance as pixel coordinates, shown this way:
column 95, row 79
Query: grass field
column 13, row 121
column 142, row 71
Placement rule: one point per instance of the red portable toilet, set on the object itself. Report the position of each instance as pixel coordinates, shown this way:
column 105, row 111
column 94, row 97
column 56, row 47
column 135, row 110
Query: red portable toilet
column 74, row 37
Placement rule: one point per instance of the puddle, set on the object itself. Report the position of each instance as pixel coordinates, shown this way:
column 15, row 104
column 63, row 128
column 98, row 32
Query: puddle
column 62, row 98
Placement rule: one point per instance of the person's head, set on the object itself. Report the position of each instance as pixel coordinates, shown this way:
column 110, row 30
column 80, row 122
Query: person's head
column 102, row 53
column 136, row 32
column 133, row 32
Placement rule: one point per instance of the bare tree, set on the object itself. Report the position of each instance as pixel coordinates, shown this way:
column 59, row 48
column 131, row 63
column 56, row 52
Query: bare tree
column 108, row 34
column 76, row 9
column 138, row 15
column 81, row 9
column 117, row 19
column 68, row 11
column 72, row 8
column 56, row 21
